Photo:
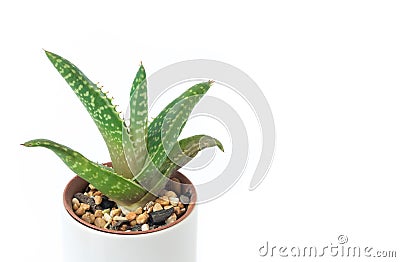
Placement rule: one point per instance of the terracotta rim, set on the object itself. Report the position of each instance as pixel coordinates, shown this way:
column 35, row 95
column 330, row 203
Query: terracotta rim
column 77, row 184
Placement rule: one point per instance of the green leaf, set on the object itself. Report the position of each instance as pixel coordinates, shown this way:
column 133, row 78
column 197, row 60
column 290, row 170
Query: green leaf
column 185, row 150
column 155, row 128
column 165, row 129
column 136, row 146
column 100, row 108
column 116, row 187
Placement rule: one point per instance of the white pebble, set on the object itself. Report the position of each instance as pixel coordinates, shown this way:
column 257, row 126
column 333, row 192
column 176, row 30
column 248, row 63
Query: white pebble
column 174, row 201
column 145, row 227
column 107, row 217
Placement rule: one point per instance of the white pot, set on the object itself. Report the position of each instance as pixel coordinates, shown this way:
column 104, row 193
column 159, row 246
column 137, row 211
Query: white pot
column 81, row 242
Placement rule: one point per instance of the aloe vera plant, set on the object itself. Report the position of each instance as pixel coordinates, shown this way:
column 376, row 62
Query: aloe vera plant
column 143, row 155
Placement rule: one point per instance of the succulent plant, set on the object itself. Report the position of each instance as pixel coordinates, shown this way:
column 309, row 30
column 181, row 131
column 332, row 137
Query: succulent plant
column 143, row 155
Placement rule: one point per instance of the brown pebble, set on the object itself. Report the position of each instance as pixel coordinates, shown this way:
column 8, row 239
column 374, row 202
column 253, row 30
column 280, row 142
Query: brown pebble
column 163, row 200
column 180, row 205
column 171, row 219
column 98, row 213
column 157, row 207
column 123, row 227
column 80, row 211
column 131, row 216
column 84, row 206
column 177, row 211
column 99, row 222
column 168, row 207
column 97, row 193
column 75, row 206
column 88, row 217
column 133, row 223
column 115, row 212
column 139, row 211
column 142, row 218
column 98, row 200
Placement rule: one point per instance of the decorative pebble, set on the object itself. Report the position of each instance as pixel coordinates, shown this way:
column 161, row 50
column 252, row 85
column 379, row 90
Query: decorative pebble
column 115, row 212
column 88, row 217
column 158, row 217
column 98, row 213
column 139, row 211
column 106, row 203
column 75, row 206
column 97, row 193
column 170, row 194
column 131, row 216
column 163, row 200
column 157, row 207
column 99, row 222
column 174, row 201
column 80, row 211
column 98, row 200
column 75, row 201
column 142, row 218
column 145, row 227
column 107, row 217
column 84, row 206
column 184, row 199
column 177, row 211
column 168, row 207
column 171, row 219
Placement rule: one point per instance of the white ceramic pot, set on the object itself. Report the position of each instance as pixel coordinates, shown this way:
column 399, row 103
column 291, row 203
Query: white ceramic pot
column 173, row 243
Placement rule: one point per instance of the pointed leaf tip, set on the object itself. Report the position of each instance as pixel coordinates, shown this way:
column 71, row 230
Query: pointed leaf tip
column 220, row 146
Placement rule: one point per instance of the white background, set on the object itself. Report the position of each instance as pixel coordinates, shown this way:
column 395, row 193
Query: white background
column 330, row 72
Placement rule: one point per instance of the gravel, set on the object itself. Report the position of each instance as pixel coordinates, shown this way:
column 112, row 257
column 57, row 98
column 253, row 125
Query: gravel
column 95, row 208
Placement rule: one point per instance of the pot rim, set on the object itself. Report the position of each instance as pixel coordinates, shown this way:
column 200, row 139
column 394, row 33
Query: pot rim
column 77, row 184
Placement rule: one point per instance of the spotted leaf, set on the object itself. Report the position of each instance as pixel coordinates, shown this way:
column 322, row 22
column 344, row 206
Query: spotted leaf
column 136, row 146
column 185, row 150
column 100, row 108
column 118, row 188
column 165, row 130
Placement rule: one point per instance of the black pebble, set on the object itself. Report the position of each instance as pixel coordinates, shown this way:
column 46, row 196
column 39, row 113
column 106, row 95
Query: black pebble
column 159, row 217
column 105, row 203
